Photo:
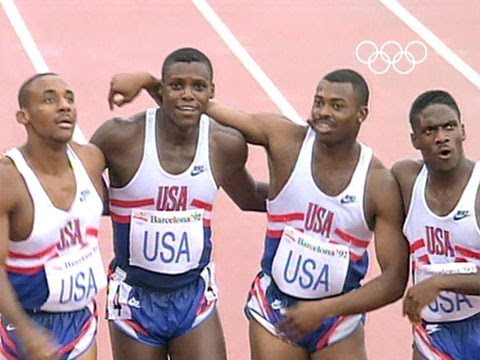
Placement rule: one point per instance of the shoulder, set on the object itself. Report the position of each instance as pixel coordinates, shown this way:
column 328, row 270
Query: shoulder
column 383, row 189
column 380, row 178
column 405, row 172
column 11, row 183
column 226, row 139
column 116, row 130
column 90, row 155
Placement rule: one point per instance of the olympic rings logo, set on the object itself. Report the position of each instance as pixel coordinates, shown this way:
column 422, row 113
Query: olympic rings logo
column 391, row 55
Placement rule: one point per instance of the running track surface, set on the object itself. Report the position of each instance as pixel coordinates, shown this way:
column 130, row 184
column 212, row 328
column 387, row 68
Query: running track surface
column 294, row 43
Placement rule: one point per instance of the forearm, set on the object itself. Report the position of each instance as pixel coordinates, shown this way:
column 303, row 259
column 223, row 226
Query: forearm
column 152, row 85
column 378, row 292
column 10, row 308
column 461, row 284
column 243, row 122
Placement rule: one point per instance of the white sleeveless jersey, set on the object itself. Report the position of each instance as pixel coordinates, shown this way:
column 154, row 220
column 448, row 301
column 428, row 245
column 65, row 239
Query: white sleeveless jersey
column 445, row 244
column 316, row 244
column 162, row 221
column 58, row 267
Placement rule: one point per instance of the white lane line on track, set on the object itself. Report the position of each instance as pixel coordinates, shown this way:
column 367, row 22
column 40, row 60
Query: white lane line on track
column 247, row 60
column 430, row 38
column 31, row 48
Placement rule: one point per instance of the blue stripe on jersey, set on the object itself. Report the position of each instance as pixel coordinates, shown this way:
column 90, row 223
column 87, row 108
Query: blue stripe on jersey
column 140, row 277
column 356, row 270
column 31, row 290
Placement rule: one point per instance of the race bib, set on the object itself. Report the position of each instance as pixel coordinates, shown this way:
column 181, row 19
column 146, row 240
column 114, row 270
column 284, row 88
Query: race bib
column 74, row 279
column 308, row 268
column 448, row 306
column 166, row 242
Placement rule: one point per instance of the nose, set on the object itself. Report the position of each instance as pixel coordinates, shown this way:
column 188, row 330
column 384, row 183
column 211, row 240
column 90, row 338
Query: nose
column 187, row 92
column 65, row 104
column 442, row 136
column 324, row 111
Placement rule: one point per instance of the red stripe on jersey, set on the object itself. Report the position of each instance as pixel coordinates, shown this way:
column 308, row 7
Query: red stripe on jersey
column 277, row 234
column 424, row 259
column 43, row 253
column 132, row 203
column 417, row 244
column 24, row 271
column 468, row 252
column 202, row 205
column 285, row 217
column 122, row 219
column 352, row 239
column 92, row 232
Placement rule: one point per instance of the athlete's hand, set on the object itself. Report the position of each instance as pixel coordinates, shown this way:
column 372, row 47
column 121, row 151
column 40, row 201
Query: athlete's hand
column 38, row 344
column 124, row 87
column 419, row 296
column 301, row 319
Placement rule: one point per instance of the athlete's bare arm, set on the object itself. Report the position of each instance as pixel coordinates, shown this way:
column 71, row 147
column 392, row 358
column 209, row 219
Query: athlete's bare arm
column 124, row 87
column 405, row 172
column 385, row 209
column 37, row 343
column 121, row 142
column 229, row 153
column 281, row 138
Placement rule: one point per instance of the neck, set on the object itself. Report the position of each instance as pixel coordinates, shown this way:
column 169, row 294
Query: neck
column 338, row 152
column 46, row 158
column 174, row 133
column 459, row 174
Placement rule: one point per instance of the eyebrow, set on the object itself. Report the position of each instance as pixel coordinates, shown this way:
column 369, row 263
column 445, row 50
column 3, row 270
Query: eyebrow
column 52, row 92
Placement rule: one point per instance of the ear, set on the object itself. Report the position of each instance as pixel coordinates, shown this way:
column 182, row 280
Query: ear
column 160, row 91
column 414, row 140
column 362, row 114
column 462, row 129
column 212, row 92
column 22, row 117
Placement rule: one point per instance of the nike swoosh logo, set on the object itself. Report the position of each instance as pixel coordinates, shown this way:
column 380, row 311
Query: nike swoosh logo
column 461, row 215
column 198, row 170
column 348, row 199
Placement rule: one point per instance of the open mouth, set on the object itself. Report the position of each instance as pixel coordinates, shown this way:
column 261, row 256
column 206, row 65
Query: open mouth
column 66, row 123
column 444, row 153
column 187, row 108
column 322, row 124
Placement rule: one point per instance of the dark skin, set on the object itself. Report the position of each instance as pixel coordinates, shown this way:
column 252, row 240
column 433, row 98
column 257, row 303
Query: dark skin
column 438, row 135
column 183, row 93
column 48, row 117
column 336, row 118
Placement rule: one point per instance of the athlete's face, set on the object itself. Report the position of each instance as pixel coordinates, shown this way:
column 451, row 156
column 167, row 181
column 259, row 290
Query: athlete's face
column 186, row 90
column 336, row 112
column 439, row 136
column 50, row 112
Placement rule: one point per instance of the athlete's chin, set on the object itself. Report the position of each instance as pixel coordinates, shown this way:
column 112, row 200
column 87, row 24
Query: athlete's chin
column 188, row 121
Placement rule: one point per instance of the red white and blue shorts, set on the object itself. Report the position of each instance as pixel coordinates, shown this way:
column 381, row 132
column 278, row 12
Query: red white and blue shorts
column 74, row 332
column 265, row 303
column 154, row 317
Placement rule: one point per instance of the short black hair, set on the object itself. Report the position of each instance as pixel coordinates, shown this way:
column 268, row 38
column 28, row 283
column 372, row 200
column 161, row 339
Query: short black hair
column 432, row 97
column 187, row 55
column 359, row 84
column 22, row 93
